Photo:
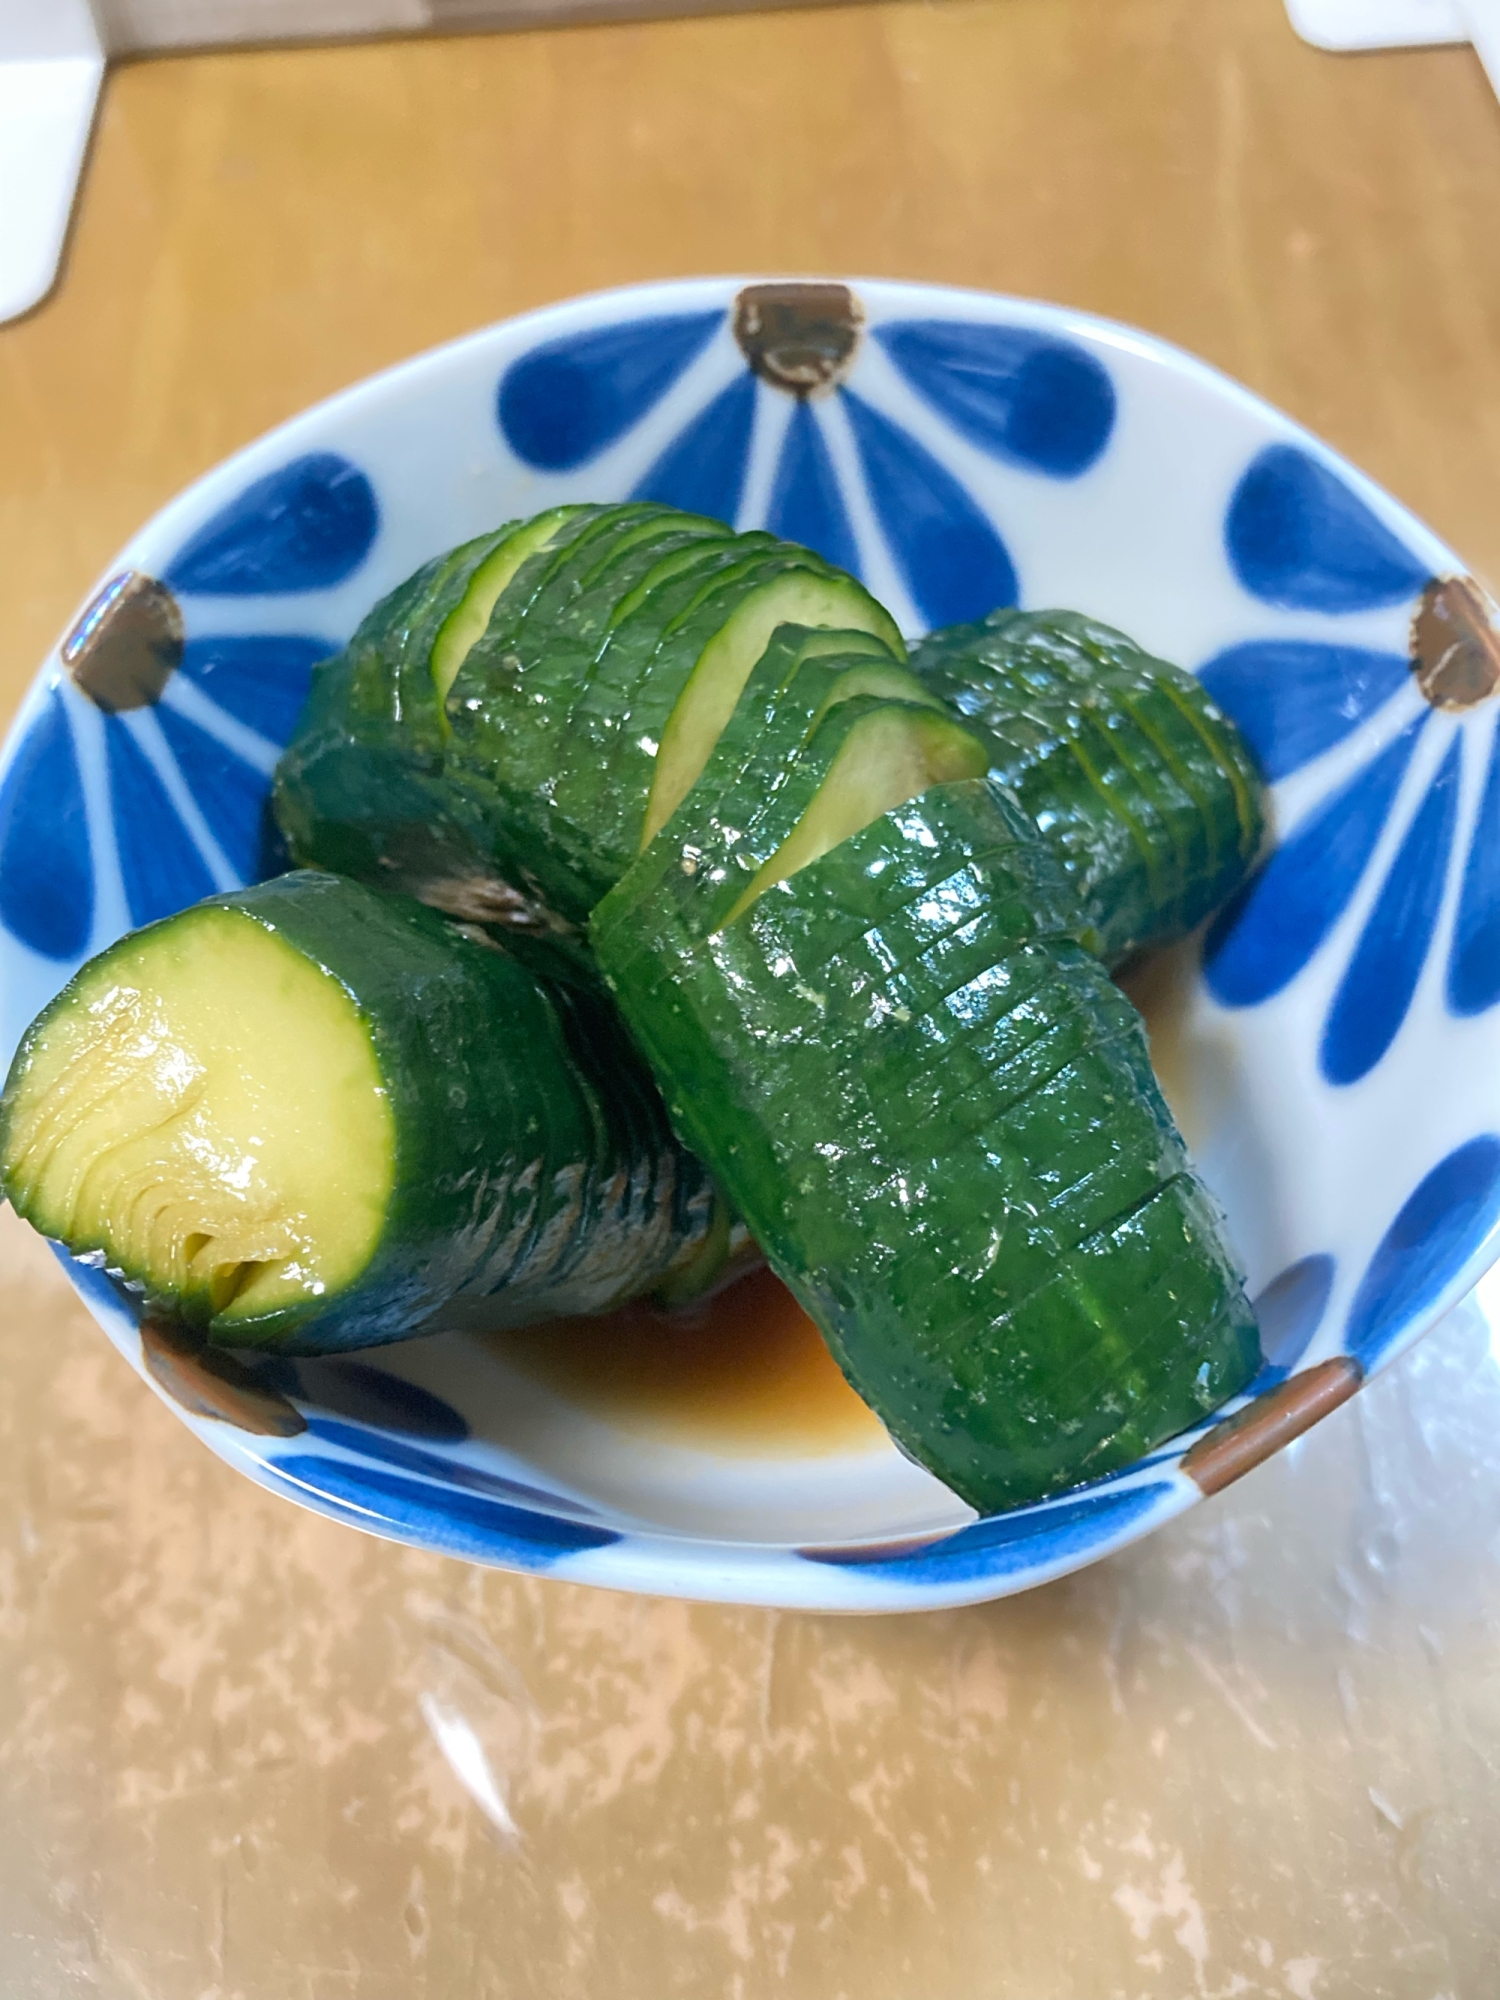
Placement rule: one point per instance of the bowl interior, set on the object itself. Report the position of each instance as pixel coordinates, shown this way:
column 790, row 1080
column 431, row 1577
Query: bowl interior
column 1330, row 1048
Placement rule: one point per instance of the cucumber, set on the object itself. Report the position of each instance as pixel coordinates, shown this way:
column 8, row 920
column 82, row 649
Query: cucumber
column 466, row 622
column 488, row 740
column 360, row 789
column 613, row 730
column 721, row 663
column 930, row 1104
column 1142, row 787
column 511, row 707
column 679, row 638
column 310, row 1117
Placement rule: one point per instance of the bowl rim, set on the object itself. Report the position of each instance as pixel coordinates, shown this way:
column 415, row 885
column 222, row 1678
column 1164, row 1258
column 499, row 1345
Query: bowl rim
column 662, row 1561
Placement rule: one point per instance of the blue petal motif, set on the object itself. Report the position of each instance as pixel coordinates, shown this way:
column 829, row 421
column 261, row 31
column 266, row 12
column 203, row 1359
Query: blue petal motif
column 703, row 470
column 1288, row 1313
column 379, row 1445
column 46, row 874
column 1474, row 967
column 96, row 1285
column 261, row 679
column 1270, row 931
column 568, row 400
column 1297, row 536
column 1006, row 1543
column 1292, row 699
column 806, row 504
column 463, row 1524
column 162, row 868
column 1438, row 1229
column 1027, row 397
column 306, row 527
column 1382, row 976
column 233, row 799
column 954, row 564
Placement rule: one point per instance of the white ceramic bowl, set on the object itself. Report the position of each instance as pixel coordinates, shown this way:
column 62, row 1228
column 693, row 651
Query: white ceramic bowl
column 1334, row 1055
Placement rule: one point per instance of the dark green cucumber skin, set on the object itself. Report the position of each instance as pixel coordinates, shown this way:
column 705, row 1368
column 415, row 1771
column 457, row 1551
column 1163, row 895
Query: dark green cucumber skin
column 510, row 707
column 937, row 1115
column 763, row 774
column 1143, row 788
column 594, row 741
column 550, row 797
column 535, row 1172
column 360, row 789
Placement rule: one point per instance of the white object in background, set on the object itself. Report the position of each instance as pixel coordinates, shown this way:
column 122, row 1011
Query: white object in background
column 1377, row 24
column 51, row 63
column 1483, row 18
column 1401, row 24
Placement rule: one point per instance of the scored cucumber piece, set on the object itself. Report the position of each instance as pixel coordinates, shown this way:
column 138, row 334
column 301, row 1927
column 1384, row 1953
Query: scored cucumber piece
column 466, row 622
column 935, row 1112
column 360, row 788
column 555, row 736
column 535, row 663
column 708, row 697
column 1143, row 788
column 803, row 673
column 309, row 1117
column 886, row 755
column 607, row 758
column 809, row 698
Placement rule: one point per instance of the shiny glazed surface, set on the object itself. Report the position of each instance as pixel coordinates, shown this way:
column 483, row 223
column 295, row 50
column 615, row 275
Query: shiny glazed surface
column 1255, row 1754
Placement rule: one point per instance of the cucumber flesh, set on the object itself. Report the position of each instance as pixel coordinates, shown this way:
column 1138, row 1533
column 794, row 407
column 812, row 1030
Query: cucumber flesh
column 708, row 700
column 895, row 753
column 466, row 622
column 665, row 638
column 307, row 1116
column 803, row 674
column 235, row 1159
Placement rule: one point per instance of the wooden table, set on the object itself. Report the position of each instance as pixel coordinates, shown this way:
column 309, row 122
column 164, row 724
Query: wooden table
column 1256, row 1755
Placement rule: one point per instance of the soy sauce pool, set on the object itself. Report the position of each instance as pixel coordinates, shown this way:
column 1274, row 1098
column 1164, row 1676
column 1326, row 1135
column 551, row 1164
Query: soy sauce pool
column 748, row 1373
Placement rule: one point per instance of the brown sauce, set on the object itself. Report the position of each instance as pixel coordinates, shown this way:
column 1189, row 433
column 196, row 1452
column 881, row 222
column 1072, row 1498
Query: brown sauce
column 1159, row 986
column 747, row 1372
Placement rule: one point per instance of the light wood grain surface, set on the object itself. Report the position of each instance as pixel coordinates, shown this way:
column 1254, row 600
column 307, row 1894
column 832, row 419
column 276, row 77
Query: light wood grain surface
column 1257, row 1755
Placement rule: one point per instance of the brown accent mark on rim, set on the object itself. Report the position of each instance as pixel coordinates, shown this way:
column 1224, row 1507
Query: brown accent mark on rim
column 799, row 335
column 207, row 1383
column 1259, row 1431
column 1455, row 647
column 127, row 643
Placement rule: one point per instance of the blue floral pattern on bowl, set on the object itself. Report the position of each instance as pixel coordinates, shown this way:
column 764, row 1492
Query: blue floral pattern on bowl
column 1337, row 1032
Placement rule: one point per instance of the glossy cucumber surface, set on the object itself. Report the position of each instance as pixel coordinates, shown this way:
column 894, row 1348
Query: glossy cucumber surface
column 309, row 1117
column 489, row 739
column 512, row 704
column 362, row 789
column 937, row 1115
column 1142, row 787
column 561, row 734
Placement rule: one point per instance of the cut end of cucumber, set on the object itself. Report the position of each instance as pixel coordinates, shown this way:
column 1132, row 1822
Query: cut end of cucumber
column 203, row 1105
column 466, row 622
column 794, row 597
column 895, row 753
